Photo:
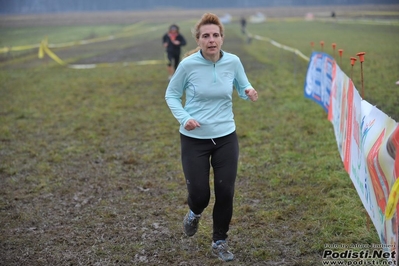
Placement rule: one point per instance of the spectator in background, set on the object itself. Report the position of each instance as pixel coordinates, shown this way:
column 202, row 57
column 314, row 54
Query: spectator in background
column 243, row 25
column 173, row 41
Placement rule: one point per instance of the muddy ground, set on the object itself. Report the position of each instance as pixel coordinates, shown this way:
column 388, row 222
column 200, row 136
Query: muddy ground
column 104, row 188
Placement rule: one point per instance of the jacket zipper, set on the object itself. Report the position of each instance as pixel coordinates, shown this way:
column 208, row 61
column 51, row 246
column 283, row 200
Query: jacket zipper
column 214, row 73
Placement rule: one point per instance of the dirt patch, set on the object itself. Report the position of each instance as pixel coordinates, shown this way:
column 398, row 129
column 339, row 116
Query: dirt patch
column 150, row 50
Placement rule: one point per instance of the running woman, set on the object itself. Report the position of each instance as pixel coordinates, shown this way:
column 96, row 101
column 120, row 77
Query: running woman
column 207, row 128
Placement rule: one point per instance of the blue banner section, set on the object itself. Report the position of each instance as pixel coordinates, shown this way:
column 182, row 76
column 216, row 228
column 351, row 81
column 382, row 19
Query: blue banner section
column 319, row 78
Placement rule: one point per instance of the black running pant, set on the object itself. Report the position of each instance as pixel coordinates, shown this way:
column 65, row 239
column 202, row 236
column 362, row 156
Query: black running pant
column 198, row 155
column 173, row 59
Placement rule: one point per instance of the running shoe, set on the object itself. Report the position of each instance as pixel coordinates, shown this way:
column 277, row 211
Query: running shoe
column 190, row 223
column 220, row 249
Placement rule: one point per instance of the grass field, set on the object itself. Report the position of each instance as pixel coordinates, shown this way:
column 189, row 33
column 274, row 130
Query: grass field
column 90, row 168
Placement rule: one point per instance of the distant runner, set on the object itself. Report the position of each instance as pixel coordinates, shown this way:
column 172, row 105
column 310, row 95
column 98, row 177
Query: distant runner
column 172, row 41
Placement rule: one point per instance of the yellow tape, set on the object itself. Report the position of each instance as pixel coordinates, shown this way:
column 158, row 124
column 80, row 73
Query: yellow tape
column 138, row 63
column 392, row 200
column 18, row 48
column 43, row 49
column 99, row 39
column 127, row 32
column 53, row 56
column 134, row 26
column 123, row 34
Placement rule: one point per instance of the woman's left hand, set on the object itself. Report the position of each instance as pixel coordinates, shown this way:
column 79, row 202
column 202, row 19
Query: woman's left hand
column 252, row 94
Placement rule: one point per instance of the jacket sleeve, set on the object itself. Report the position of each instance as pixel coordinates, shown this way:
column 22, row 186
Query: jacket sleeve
column 174, row 94
column 182, row 40
column 241, row 82
column 164, row 38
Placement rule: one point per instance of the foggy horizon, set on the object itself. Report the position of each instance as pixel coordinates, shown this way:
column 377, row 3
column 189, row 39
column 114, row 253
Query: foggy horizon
column 59, row 6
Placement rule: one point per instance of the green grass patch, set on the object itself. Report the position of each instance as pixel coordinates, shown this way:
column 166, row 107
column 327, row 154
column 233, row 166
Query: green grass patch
column 55, row 34
column 90, row 159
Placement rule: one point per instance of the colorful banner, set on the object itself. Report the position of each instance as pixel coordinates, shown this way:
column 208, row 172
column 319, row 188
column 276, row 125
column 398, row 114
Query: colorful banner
column 367, row 140
column 319, row 78
column 378, row 132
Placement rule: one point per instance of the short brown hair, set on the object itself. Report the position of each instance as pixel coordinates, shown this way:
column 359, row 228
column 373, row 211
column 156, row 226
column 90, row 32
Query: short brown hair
column 192, row 51
column 207, row 19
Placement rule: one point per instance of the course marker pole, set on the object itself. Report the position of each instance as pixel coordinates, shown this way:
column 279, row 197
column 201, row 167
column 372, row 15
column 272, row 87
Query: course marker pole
column 361, row 58
column 322, row 45
column 333, row 46
column 340, row 51
column 353, row 60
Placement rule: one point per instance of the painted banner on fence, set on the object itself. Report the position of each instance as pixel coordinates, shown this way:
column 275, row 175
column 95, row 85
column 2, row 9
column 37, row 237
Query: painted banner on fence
column 378, row 132
column 367, row 140
column 319, row 78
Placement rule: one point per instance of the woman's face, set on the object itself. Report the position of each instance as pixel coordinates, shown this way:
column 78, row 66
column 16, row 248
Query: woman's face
column 210, row 40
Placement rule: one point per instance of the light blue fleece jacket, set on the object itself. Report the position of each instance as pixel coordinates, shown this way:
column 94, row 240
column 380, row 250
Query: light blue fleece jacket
column 208, row 88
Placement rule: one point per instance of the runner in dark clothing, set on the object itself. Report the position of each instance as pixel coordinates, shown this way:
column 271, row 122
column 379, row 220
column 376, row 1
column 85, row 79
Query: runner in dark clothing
column 172, row 41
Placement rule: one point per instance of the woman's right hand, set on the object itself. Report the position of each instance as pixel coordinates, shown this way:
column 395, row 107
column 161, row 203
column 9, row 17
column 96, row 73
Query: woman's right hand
column 191, row 124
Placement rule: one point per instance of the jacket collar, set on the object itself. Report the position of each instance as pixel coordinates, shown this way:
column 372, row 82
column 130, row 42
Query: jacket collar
column 199, row 53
